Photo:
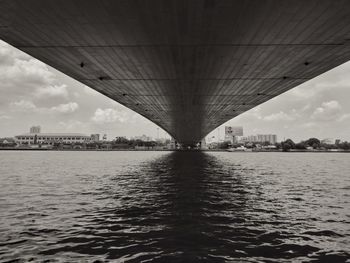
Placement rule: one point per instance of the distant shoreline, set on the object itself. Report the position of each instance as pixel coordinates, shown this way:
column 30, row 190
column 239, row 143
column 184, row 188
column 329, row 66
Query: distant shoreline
column 165, row 150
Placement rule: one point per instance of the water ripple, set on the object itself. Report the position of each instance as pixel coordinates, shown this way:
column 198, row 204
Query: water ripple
column 173, row 207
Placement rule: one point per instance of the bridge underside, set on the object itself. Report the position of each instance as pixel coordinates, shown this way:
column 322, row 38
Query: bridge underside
column 187, row 65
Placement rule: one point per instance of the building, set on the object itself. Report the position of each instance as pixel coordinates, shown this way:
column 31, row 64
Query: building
column 228, row 138
column 142, row 138
column 252, row 138
column 271, row 138
column 260, row 138
column 327, row 141
column 95, row 137
column 203, row 144
column 51, row 138
column 172, row 144
column 35, row 129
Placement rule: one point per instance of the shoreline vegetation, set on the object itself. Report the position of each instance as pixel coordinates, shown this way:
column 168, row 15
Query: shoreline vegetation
column 123, row 144
column 170, row 150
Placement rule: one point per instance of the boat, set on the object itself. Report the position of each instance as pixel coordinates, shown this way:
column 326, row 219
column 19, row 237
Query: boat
column 240, row 149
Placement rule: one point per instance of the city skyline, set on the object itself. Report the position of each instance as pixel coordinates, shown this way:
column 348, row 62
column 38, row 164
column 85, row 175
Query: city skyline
column 37, row 129
column 241, row 138
column 39, row 94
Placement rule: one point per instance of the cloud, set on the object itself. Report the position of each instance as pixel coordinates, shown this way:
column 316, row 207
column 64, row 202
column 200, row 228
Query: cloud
column 52, row 91
column 90, row 91
column 256, row 114
column 308, row 125
column 250, row 115
column 4, row 117
column 280, row 116
column 25, row 72
column 66, row 108
column 23, row 105
column 303, row 92
column 28, row 106
column 328, row 111
column 8, row 54
column 73, row 125
column 21, row 75
column 344, row 117
column 109, row 115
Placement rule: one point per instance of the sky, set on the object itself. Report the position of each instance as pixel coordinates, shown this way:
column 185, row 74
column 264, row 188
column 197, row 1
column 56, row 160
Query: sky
column 32, row 93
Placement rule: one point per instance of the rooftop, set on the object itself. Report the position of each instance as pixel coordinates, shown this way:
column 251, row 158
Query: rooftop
column 54, row 134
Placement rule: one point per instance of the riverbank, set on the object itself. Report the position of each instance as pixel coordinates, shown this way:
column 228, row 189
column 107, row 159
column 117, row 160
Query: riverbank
column 169, row 150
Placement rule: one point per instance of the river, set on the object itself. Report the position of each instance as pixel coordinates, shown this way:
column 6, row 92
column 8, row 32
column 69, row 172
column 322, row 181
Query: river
column 174, row 207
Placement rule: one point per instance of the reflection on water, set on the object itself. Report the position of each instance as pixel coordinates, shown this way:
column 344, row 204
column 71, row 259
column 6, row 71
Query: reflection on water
column 174, row 207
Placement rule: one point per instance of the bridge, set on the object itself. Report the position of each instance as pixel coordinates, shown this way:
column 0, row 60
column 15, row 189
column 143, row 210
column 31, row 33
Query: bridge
column 186, row 65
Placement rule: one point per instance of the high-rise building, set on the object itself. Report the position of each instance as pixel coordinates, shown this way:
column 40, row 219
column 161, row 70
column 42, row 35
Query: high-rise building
column 261, row 138
column 252, row 138
column 271, row 138
column 35, row 129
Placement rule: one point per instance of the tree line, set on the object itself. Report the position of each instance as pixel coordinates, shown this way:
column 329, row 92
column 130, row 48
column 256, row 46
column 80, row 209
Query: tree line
column 314, row 143
column 289, row 144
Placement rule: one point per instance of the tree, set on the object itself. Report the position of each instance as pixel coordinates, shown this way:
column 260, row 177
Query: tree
column 224, row 145
column 287, row 145
column 121, row 140
column 278, row 145
column 300, row 146
column 344, row 145
column 313, row 142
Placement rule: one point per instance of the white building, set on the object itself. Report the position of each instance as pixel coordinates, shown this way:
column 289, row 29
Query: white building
column 271, row 138
column 261, row 138
column 328, row 141
column 50, row 138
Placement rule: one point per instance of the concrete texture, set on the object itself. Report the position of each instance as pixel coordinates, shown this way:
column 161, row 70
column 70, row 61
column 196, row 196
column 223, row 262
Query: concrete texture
column 186, row 65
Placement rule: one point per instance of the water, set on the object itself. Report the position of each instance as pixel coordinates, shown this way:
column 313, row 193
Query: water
column 174, row 207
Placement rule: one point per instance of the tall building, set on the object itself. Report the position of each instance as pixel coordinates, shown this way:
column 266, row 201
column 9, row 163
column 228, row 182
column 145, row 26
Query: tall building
column 271, row 138
column 261, row 138
column 252, row 138
column 35, row 129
